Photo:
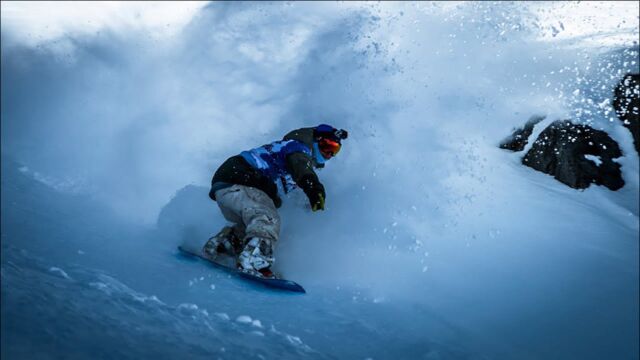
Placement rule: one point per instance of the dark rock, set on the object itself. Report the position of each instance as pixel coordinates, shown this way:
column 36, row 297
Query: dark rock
column 626, row 102
column 520, row 137
column 560, row 151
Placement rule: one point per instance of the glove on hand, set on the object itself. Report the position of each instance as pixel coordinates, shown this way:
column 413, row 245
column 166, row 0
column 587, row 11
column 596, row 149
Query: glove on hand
column 315, row 192
column 318, row 204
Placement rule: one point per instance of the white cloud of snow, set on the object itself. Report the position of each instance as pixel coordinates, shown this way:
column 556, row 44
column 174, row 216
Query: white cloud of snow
column 36, row 23
column 421, row 204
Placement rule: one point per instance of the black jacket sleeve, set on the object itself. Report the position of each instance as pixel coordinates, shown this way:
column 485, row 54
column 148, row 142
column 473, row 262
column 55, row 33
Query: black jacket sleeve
column 300, row 165
column 301, row 168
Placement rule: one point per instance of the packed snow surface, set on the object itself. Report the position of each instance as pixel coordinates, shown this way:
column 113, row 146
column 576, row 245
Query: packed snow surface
column 435, row 243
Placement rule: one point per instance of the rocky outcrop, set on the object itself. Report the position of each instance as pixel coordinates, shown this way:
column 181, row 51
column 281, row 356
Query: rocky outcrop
column 576, row 155
column 520, row 137
column 626, row 102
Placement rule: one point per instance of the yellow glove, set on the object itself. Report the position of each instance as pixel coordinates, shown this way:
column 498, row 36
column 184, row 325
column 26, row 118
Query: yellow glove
column 314, row 191
column 319, row 204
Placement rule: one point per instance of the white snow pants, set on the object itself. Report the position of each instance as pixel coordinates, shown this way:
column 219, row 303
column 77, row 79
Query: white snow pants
column 252, row 210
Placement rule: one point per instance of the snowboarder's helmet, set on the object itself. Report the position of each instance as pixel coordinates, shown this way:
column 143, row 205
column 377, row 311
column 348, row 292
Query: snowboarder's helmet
column 329, row 139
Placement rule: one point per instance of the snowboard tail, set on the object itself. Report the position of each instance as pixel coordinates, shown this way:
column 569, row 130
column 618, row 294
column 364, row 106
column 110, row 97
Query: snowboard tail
column 270, row 282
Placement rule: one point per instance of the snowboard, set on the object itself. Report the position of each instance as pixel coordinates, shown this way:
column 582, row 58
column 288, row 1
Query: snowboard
column 230, row 268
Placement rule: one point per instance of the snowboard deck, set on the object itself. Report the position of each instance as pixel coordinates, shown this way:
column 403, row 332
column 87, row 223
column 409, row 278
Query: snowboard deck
column 270, row 282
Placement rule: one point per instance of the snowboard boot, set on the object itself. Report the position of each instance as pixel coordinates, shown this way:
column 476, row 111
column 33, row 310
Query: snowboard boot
column 256, row 258
column 225, row 242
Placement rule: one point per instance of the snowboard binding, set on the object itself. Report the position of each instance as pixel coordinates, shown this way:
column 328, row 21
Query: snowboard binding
column 224, row 242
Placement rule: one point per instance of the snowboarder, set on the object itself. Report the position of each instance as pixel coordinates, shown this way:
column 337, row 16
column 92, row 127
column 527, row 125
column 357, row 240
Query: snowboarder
column 246, row 187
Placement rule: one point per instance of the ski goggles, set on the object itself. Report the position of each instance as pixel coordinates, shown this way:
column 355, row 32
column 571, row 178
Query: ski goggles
column 329, row 148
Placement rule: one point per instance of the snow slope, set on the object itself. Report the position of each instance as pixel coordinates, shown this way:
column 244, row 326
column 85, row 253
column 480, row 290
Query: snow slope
column 435, row 244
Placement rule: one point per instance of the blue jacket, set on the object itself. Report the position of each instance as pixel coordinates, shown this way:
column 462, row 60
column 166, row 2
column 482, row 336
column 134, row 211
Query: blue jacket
column 271, row 161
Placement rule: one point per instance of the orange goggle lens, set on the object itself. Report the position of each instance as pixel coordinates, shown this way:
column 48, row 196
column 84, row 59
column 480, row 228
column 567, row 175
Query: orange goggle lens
column 328, row 147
